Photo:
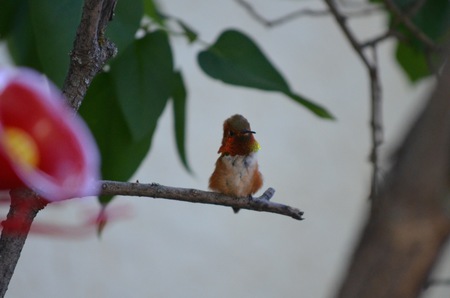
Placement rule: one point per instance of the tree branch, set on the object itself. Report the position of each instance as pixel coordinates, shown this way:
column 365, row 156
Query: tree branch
column 376, row 121
column 303, row 12
column 90, row 53
column 382, row 37
column 91, row 50
column 154, row 190
column 376, row 125
column 25, row 204
column 409, row 221
column 271, row 23
column 342, row 22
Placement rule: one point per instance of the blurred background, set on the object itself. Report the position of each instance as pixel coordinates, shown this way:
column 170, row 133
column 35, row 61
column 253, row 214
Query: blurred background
column 172, row 249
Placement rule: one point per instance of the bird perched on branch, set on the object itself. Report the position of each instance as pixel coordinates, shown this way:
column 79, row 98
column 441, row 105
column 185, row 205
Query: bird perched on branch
column 236, row 173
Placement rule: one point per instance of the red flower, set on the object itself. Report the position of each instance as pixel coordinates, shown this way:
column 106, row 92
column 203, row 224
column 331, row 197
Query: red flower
column 43, row 145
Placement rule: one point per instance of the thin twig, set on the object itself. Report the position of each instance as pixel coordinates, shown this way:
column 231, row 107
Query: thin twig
column 376, row 123
column 270, row 23
column 414, row 9
column 154, row 190
column 342, row 22
column 382, row 37
column 303, row 12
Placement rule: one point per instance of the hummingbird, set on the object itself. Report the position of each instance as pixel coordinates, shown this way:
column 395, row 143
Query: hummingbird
column 236, row 173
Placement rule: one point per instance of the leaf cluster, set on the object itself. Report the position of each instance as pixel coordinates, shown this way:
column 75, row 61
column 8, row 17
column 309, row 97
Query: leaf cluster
column 417, row 58
column 125, row 101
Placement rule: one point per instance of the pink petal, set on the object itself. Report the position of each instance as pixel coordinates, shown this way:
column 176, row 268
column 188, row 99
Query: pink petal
column 68, row 157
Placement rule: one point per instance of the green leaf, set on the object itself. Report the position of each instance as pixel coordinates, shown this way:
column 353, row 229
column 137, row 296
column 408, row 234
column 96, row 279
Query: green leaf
column 318, row 110
column 142, row 78
column 235, row 59
column 188, row 31
column 151, row 9
column 54, row 25
column 21, row 41
column 126, row 21
column 121, row 153
column 433, row 19
column 8, row 11
column 412, row 61
column 179, row 111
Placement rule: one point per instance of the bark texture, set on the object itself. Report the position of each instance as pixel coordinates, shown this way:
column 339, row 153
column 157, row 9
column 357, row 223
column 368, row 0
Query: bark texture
column 91, row 50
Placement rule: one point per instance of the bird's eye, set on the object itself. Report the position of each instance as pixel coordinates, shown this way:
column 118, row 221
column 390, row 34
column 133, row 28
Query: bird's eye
column 231, row 133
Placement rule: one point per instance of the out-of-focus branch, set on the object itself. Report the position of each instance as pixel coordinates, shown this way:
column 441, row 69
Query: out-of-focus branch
column 406, row 20
column 376, row 125
column 91, row 50
column 281, row 20
column 376, row 120
column 342, row 22
column 436, row 282
column 303, row 12
column 382, row 37
column 154, row 190
column 409, row 222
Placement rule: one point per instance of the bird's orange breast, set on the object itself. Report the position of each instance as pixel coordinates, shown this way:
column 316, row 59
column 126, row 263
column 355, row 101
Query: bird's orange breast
column 236, row 175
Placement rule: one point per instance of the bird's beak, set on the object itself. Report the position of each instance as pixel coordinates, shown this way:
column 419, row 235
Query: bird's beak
column 248, row 131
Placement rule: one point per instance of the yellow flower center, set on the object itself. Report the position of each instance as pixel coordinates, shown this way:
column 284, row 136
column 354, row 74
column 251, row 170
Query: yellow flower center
column 21, row 147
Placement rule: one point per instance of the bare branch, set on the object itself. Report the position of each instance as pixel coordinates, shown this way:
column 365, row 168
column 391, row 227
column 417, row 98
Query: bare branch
column 154, row 190
column 303, row 12
column 25, row 204
column 91, row 50
column 376, row 124
column 376, row 121
column 342, row 22
column 382, row 37
column 289, row 17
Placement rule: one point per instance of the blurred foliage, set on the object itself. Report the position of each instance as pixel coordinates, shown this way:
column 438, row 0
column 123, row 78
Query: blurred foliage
column 432, row 18
column 124, row 103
